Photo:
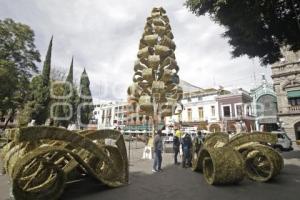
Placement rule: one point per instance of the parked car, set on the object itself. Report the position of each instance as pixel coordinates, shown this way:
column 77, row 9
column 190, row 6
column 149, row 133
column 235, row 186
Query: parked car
column 284, row 143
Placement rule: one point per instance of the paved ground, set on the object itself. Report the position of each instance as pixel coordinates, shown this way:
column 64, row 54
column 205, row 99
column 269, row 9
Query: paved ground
column 177, row 183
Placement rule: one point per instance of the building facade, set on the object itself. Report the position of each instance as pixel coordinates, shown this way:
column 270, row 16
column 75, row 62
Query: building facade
column 200, row 110
column 265, row 107
column 286, row 78
column 111, row 114
column 235, row 112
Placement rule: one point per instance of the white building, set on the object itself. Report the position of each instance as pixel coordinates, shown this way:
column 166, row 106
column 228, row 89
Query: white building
column 111, row 114
column 200, row 108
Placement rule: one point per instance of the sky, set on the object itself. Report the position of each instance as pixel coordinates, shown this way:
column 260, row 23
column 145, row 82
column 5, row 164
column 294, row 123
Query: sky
column 103, row 36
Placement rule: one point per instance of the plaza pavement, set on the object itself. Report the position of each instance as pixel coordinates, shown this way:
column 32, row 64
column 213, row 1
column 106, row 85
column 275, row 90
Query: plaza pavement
column 175, row 183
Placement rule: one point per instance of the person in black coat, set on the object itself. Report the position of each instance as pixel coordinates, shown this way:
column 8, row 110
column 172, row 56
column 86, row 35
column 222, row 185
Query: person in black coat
column 186, row 149
column 176, row 146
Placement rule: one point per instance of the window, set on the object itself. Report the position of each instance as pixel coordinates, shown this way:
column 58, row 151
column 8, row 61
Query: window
column 201, row 113
column 189, row 99
column 294, row 101
column 226, row 111
column 213, row 111
column 190, row 117
column 280, row 136
column 180, row 117
column 248, row 110
column 2, row 119
column 239, row 110
column 199, row 98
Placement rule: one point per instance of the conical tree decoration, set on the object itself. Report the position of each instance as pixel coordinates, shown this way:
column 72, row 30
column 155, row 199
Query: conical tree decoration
column 155, row 88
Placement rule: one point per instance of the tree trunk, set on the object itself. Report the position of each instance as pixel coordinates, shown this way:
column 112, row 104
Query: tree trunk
column 9, row 118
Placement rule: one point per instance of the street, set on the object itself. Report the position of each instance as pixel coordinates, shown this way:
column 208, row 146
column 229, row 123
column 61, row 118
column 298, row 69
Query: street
column 177, row 183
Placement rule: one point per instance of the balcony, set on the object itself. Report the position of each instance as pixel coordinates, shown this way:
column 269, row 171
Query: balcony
column 294, row 109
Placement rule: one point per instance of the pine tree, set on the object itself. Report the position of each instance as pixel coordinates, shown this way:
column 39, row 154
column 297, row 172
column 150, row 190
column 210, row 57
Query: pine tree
column 85, row 100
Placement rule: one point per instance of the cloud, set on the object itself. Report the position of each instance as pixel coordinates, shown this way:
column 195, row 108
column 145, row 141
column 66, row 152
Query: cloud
column 103, row 36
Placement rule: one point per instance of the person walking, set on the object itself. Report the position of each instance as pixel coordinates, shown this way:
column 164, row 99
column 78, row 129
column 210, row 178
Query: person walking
column 186, row 149
column 176, row 146
column 158, row 148
column 198, row 141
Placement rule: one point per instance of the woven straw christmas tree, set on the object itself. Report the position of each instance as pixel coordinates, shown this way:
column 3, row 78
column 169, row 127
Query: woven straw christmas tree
column 155, row 90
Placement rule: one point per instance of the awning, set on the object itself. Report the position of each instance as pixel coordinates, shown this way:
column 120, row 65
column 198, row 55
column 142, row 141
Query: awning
column 293, row 94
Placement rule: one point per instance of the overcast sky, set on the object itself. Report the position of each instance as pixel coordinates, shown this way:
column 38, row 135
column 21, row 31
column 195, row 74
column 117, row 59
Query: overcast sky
column 103, row 36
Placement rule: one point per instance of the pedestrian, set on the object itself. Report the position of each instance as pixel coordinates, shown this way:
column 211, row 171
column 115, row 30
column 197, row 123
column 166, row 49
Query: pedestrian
column 198, row 141
column 176, row 147
column 158, row 148
column 186, row 149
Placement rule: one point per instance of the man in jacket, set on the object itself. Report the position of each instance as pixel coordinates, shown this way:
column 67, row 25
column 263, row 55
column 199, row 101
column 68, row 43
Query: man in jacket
column 176, row 146
column 186, row 149
column 158, row 148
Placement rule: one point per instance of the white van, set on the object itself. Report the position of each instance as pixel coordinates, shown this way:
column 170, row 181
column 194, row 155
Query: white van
column 284, row 143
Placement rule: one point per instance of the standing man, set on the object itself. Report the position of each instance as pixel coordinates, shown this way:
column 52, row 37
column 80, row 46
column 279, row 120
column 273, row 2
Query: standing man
column 176, row 146
column 158, row 148
column 186, row 149
column 198, row 141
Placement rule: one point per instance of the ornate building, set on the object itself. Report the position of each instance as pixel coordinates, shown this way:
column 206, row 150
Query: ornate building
column 235, row 110
column 286, row 78
column 265, row 106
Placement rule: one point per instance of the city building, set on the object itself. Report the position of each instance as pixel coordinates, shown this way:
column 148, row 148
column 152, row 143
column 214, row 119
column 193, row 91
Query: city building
column 235, row 111
column 265, row 107
column 200, row 109
column 286, row 78
column 111, row 114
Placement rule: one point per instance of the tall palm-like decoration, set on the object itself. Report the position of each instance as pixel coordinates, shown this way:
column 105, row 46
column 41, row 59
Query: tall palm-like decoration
column 155, row 91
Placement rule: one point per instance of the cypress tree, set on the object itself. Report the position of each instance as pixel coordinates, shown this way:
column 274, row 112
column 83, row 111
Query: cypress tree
column 40, row 87
column 47, row 65
column 85, row 100
column 70, row 90
column 70, row 74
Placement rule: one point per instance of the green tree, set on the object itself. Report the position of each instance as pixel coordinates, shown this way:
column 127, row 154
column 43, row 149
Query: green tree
column 18, row 58
column 40, row 93
column 72, row 100
column 257, row 28
column 58, row 90
column 68, row 91
column 85, row 100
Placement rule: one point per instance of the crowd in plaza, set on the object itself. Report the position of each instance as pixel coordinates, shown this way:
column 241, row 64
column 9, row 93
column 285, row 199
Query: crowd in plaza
column 182, row 145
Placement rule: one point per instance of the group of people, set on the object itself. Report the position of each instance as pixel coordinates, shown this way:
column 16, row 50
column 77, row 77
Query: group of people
column 180, row 140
